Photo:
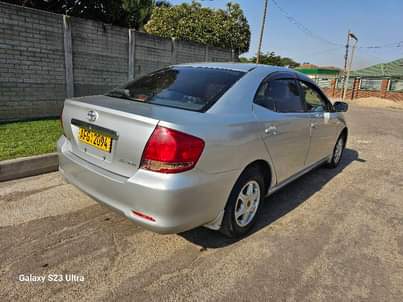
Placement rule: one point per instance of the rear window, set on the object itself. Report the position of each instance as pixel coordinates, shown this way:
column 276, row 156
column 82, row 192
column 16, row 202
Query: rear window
column 190, row 88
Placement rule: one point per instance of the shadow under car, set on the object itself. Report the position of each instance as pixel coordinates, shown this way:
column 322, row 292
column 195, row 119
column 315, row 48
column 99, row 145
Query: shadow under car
column 277, row 204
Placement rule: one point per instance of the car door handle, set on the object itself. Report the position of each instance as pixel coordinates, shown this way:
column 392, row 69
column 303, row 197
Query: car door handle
column 272, row 130
column 314, row 125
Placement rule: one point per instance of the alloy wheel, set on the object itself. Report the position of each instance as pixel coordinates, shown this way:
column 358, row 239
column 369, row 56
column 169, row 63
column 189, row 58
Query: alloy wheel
column 247, row 203
column 338, row 150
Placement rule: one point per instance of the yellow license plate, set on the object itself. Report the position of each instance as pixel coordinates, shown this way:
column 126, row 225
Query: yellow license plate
column 95, row 139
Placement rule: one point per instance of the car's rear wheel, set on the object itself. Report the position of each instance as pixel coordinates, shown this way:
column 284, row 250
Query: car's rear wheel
column 243, row 204
column 337, row 152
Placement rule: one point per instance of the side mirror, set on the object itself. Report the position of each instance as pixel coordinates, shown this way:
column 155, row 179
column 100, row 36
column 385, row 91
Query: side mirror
column 340, row 106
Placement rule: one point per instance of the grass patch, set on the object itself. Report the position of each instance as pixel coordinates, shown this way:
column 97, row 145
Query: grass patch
column 28, row 138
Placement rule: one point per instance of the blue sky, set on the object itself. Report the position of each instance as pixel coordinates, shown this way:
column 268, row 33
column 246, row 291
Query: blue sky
column 374, row 23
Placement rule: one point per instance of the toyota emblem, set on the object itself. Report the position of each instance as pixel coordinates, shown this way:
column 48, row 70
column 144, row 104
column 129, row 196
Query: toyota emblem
column 92, row 116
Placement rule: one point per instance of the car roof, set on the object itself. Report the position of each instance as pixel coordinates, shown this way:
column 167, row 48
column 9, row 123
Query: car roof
column 245, row 67
column 233, row 101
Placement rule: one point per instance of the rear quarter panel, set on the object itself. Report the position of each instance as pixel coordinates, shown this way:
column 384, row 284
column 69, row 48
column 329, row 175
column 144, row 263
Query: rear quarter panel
column 229, row 128
column 231, row 142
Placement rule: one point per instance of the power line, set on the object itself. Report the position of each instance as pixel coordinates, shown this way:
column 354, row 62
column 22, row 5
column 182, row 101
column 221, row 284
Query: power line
column 367, row 54
column 388, row 45
column 302, row 27
column 310, row 33
column 323, row 51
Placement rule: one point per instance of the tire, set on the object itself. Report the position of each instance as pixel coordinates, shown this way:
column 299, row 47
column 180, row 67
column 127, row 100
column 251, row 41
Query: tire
column 246, row 197
column 337, row 152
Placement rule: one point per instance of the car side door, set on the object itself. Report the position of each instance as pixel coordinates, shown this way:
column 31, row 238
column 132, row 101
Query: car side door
column 283, row 124
column 323, row 122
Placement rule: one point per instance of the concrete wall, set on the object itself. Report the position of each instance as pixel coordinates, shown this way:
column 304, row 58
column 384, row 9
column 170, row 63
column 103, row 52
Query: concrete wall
column 35, row 73
column 31, row 63
column 100, row 56
column 151, row 53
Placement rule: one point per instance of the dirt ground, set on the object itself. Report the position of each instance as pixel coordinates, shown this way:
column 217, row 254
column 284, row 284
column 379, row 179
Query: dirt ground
column 377, row 103
column 332, row 235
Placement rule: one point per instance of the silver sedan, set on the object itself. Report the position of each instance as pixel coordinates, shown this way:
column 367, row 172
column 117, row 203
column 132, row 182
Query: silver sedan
column 199, row 144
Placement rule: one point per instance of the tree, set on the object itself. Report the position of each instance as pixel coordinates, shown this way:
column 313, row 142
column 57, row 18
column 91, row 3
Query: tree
column 101, row 10
column 226, row 28
column 270, row 58
column 128, row 13
column 139, row 11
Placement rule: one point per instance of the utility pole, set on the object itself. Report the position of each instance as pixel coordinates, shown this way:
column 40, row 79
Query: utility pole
column 350, row 64
column 345, row 62
column 262, row 31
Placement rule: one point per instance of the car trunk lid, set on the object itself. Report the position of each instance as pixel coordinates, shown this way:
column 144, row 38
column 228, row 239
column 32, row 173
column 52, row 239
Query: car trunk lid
column 128, row 124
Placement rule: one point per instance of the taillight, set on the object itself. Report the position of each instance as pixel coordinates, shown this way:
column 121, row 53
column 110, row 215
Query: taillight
column 171, row 151
column 142, row 215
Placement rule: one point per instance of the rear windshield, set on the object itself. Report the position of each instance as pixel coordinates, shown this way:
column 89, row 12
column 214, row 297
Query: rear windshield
column 190, row 88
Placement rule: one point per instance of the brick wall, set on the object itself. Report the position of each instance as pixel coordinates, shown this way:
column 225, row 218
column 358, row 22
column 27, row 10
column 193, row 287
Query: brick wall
column 33, row 76
column 356, row 92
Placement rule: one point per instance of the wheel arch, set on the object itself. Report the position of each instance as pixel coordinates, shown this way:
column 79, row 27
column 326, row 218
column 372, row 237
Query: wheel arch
column 265, row 169
column 225, row 222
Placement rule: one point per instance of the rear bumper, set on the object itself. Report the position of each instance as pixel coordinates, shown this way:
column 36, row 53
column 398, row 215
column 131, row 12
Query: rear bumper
column 177, row 202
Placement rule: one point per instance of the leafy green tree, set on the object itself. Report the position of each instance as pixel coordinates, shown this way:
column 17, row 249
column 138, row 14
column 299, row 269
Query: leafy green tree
column 128, row 13
column 139, row 11
column 246, row 60
column 227, row 28
column 107, row 11
column 270, row 58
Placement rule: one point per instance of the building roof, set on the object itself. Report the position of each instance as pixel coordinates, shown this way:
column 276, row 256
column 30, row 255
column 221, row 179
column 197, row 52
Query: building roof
column 308, row 65
column 318, row 70
column 391, row 69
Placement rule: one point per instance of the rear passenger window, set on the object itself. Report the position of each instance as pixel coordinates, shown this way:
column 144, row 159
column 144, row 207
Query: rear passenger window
column 281, row 95
column 262, row 97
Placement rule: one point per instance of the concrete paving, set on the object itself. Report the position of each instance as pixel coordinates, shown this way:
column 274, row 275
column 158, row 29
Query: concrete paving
column 333, row 235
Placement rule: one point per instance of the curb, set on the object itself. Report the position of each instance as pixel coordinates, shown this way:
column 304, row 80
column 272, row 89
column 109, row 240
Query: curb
column 28, row 166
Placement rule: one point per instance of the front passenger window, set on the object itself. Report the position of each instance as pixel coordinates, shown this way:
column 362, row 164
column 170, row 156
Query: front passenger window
column 282, row 95
column 313, row 100
column 286, row 95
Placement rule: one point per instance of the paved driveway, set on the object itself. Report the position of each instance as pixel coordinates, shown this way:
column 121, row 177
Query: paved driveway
column 333, row 235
